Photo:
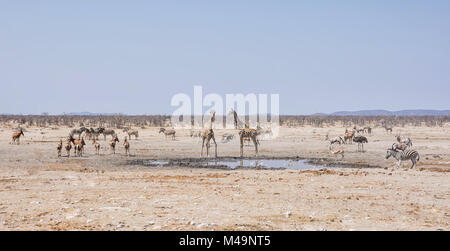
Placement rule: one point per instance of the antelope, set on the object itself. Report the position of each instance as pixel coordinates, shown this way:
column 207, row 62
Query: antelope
column 68, row 148
column 338, row 152
column 78, row 145
column 130, row 133
column 16, row 136
column 406, row 141
column 96, row 146
column 59, row 147
column 335, row 140
column 348, row 137
column 112, row 143
column 399, row 146
column 168, row 132
column 126, row 145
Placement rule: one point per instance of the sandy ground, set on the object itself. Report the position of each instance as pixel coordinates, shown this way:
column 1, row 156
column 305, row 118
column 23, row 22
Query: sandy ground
column 39, row 191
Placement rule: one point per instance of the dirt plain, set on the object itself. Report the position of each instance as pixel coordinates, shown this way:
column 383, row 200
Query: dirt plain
column 362, row 191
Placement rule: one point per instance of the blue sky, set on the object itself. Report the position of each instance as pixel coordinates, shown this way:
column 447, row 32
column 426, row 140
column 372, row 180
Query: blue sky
column 133, row 56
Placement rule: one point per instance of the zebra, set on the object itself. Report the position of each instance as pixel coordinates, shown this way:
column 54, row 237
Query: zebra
column 88, row 134
column 196, row 134
column 388, row 129
column 78, row 131
column 131, row 132
column 227, row 137
column 107, row 132
column 403, row 155
column 168, row 132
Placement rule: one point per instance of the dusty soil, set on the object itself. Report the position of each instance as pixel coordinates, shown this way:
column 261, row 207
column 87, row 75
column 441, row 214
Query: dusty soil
column 39, row 191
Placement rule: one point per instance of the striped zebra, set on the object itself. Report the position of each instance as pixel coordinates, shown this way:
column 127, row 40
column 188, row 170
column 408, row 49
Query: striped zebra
column 404, row 155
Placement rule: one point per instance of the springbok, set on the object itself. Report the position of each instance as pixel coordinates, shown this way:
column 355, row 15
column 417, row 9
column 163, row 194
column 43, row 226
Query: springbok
column 338, row 152
column 16, row 136
column 112, row 144
column 335, row 140
column 168, row 132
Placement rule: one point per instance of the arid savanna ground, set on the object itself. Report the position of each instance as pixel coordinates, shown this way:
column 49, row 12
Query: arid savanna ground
column 39, row 191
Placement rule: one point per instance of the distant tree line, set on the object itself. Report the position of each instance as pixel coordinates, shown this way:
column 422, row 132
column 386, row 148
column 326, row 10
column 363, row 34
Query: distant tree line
column 143, row 121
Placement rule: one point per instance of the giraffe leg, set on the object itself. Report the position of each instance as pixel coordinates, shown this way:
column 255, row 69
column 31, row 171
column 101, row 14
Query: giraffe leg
column 242, row 146
column 215, row 146
column 203, row 145
column 208, row 144
column 255, row 142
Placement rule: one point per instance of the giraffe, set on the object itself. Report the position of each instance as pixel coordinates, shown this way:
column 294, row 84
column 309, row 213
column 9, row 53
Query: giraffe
column 208, row 135
column 237, row 122
column 248, row 133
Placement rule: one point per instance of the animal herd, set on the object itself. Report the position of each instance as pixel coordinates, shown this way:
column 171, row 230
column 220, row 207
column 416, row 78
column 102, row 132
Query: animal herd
column 400, row 150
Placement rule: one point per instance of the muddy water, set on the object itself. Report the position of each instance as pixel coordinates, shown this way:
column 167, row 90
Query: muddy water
column 294, row 164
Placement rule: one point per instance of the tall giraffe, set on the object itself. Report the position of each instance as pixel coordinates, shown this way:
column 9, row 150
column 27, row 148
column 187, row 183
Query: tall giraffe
column 208, row 135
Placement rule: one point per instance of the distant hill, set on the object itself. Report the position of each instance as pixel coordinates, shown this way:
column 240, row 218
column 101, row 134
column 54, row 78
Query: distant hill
column 388, row 113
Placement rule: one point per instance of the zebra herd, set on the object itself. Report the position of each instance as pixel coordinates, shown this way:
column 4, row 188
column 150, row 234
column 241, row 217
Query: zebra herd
column 400, row 150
